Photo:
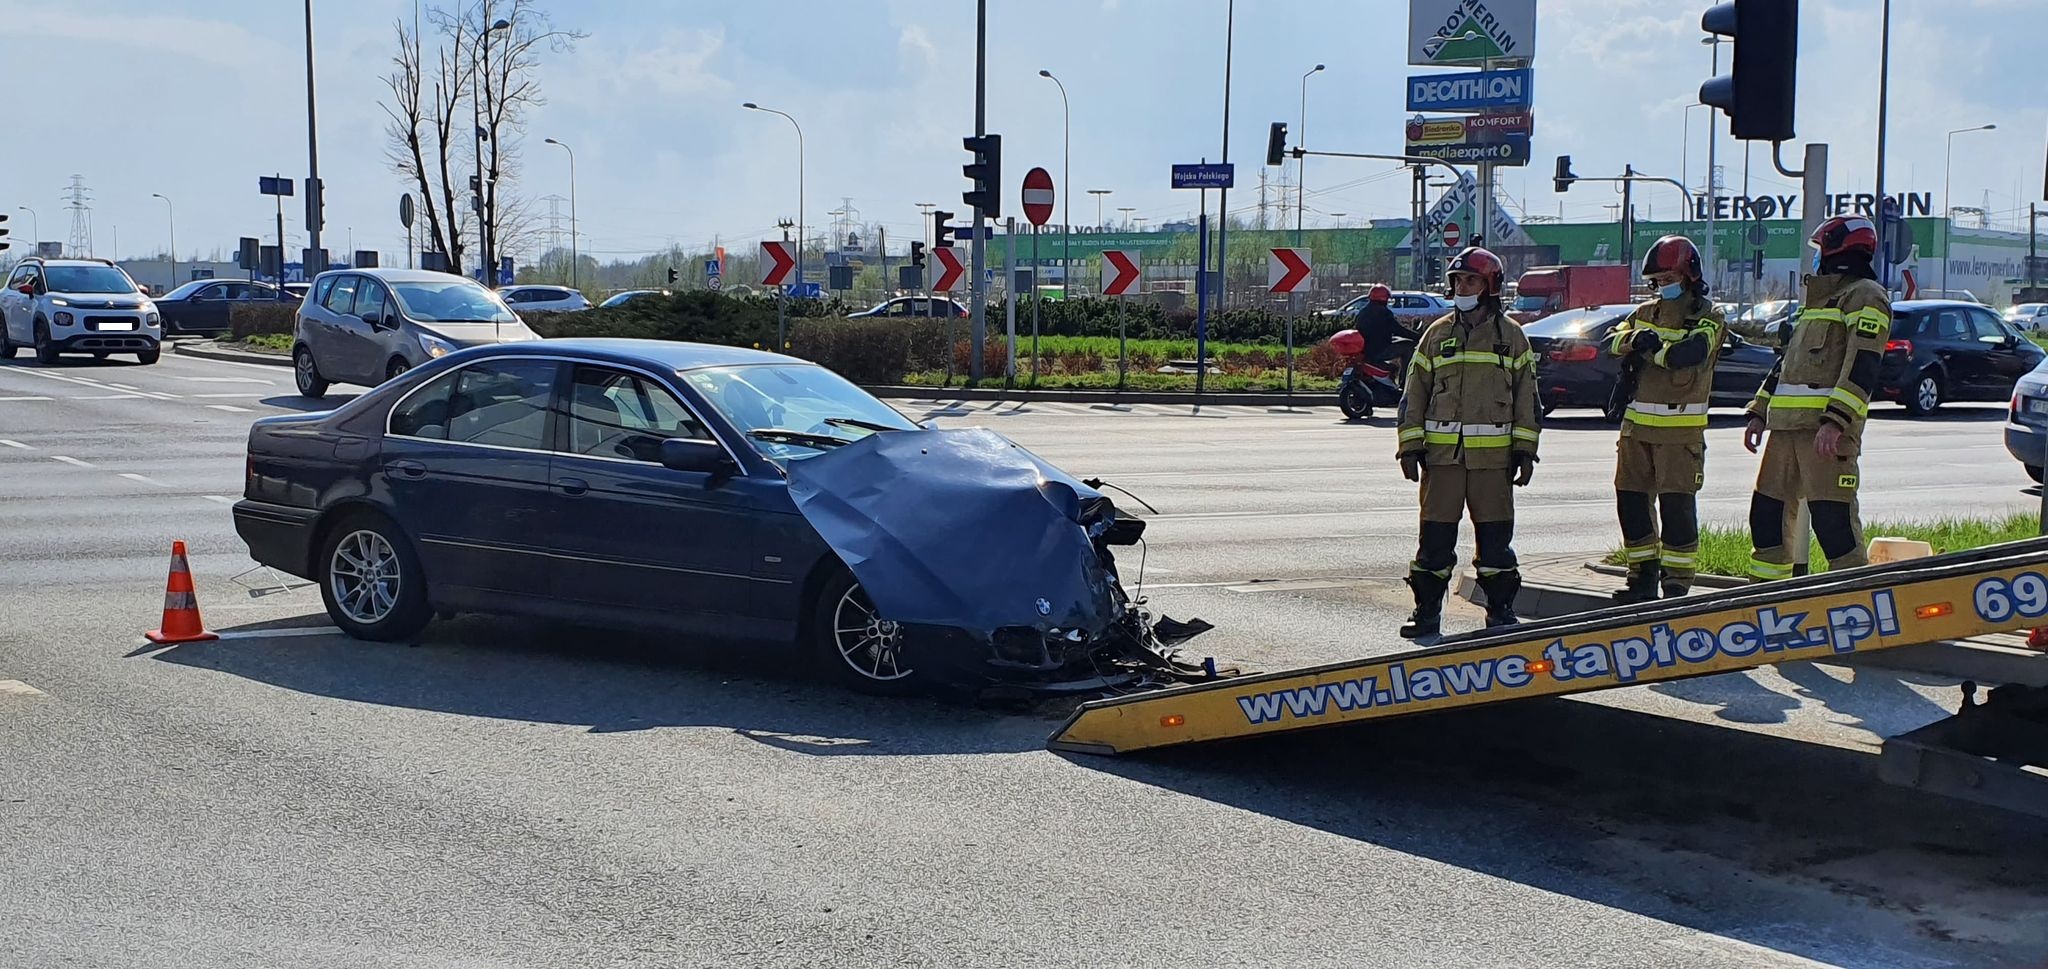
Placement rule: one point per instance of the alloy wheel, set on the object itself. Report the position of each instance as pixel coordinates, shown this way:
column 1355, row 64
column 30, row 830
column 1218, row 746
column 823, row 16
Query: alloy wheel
column 364, row 576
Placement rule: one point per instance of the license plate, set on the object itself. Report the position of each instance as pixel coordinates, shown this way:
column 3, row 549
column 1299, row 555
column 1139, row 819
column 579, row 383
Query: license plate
column 105, row 325
column 2037, row 405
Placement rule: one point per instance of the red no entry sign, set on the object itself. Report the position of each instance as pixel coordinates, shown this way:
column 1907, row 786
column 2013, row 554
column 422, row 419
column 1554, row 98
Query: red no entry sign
column 1038, row 196
column 1452, row 234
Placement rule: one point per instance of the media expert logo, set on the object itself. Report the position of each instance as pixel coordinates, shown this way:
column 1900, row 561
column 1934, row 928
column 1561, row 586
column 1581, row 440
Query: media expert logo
column 1620, row 661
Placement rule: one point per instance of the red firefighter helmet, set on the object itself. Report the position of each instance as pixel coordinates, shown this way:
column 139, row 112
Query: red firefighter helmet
column 1379, row 293
column 1478, row 262
column 1844, row 233
column 1672, row 254
column 1350, row 343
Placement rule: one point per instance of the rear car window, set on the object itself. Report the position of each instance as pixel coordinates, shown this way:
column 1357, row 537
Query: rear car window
column 502, row 403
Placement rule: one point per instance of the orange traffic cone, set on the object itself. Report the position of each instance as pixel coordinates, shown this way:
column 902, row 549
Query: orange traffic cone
column 181, row 606
column 2038, row 638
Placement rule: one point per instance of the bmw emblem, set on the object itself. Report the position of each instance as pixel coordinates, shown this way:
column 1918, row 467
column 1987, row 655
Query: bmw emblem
column 1044, row 607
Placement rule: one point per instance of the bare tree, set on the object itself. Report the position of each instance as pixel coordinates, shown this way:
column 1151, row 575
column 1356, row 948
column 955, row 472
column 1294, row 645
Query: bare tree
column 507, row 64
column 422, row 112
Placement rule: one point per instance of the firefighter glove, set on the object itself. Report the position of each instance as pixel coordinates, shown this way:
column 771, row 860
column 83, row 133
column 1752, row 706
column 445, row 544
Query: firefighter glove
column 1525, row 468
column 1645, row 342
column 1411, row 465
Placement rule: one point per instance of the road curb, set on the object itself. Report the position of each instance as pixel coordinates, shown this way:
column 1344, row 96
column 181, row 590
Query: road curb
column 232, row 356
column 1954, row 659
column 941, row 394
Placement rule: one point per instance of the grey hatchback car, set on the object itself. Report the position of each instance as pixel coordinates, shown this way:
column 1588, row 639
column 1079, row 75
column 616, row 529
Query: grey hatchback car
column 365, row 326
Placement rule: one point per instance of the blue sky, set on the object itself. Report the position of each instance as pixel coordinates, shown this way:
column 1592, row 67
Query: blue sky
column 195, row 100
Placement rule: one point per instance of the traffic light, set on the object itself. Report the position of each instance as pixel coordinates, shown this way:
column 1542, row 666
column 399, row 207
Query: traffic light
column 673, row 275
column 940, row 228
column 1276, row 143
column 986, row 171
column 316, row 203
column 1564, row 178
column 917, row 254
column 1756, row 93
column 4, row 244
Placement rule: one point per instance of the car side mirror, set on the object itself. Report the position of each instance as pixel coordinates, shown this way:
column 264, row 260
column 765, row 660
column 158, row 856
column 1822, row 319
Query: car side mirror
column 690, row 454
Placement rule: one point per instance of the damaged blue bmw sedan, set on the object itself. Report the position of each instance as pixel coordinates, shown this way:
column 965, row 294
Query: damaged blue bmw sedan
column 714, row 492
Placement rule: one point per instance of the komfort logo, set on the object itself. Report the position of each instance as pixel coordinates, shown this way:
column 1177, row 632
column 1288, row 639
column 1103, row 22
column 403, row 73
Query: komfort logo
column 1471, row 32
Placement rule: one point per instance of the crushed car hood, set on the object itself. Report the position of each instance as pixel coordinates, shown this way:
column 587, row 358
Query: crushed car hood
column 960, row 528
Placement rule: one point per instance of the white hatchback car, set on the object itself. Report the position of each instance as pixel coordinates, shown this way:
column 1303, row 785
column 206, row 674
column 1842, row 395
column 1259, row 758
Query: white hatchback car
column 543, row 299
column 63, row 306
column 2029, row 317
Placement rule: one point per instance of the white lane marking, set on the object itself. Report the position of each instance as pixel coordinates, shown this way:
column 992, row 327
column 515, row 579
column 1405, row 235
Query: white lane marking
column 69, row 460
column 227, row 396
column 223, row 499
column 122, row 386
column 230, row 408
column 109, row 397
column 270, row 367
column 18, row 688
column 226, row 380
column 83, row 382
column 276, row 633
column 4, row 399
column 8, row 443
column 145, row 479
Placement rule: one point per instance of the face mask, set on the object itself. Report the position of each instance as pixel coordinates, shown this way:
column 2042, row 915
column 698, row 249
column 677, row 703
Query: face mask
column 1673, row 291
column 1465, row 303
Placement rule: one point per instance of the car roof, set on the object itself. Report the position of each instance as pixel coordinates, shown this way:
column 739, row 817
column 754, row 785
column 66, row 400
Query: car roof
column 554, row 289
column 1912, row 305
column 655, row 354
column 73, row 262
column 398, row 275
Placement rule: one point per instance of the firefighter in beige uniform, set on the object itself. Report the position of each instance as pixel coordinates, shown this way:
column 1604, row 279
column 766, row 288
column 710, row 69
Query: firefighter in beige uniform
column 1669, row 345
column 1813, row 404
column 1468, row 433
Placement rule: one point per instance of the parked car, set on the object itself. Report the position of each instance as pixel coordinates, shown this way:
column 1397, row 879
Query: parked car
column 365, row 326
column 1951, row 350
column 1573, row 368
column 543, row 299
column 703, row 490
column 298, row 290
column 1412, row 307
column 620, row 299
column 63, row 306
column 203, row 305
column 2029, row 317
column 2026, row 421
column 914, row 306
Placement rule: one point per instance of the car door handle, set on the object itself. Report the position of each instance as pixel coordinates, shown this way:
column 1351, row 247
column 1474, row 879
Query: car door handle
column 409, row 469
column 572, row 486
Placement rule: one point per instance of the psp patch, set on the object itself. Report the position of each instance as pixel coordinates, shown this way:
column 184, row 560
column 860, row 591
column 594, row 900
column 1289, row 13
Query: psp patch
column 1845, row 481
column 1871, row 326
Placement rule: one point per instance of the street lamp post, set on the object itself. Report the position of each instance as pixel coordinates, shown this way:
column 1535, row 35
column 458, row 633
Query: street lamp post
column 35, row 225
column 1099, row 193
column 476, row 110
column 1127, row 210
column 1948, row 215
column 174, row 234
column 1301, row 163
column 751, row 106
column 574, row 258
column 1066, row 189
column 1713, row 187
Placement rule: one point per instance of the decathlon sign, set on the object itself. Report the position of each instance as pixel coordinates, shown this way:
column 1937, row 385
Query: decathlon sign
column 1471, row 91
column 1442, row 32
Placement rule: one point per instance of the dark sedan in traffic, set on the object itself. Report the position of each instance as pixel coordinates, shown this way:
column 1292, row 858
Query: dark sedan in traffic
column 1944, row 350
column 203, row 305
column 1573, row 368
column 703, row 490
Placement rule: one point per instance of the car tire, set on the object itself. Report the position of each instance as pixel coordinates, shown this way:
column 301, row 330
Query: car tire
column 1924, row 397
column 8, row 348
column 46, row 350
column 869, row 657
column 306, row 374
column 370, row 579
column 144, row 357
column 395, row 368
column 100, row 355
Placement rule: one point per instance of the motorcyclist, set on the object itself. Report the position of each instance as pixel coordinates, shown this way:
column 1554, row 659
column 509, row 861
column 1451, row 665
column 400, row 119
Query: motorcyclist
column 1380, row 327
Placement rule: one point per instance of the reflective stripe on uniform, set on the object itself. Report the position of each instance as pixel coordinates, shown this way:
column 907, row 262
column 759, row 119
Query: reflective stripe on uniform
column 1846, row 398
column 1410, row 435
column 1801, row 397
column 1761, row 569
column 1439, row 573
column 1529, row 434
column 1527, row 359
column 1642, row 554
column 1666, row 415
column 1678, row 560
column 1471, row 435
column 1822, row 315
column 1870, row 321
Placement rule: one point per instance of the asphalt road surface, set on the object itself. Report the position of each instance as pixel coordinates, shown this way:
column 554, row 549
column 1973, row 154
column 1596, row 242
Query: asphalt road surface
column 498, row 794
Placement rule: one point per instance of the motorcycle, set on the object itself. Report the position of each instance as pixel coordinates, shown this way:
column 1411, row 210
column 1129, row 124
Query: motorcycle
column 1367, row 383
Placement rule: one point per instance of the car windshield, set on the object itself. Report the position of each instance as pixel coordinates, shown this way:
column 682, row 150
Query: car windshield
column 451, row 301
column 187, row 289
column 622, row 298
column 1762, row 312
column 1531, row 303
column 87, row 279
column 1574, row 324
column 812, row 408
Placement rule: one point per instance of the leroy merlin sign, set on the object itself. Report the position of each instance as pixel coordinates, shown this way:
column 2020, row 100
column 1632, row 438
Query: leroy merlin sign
column 1452, row 32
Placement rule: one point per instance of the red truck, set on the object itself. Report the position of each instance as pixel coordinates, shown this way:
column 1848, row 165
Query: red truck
column 1553, row 289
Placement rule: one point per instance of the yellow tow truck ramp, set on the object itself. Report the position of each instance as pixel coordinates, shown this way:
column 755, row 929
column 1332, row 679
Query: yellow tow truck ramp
column 1995, row 589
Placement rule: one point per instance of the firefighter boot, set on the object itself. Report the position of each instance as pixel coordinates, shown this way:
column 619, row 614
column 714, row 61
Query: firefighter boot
column 1425, row 625
column 1500, row 589
column 1642, row 585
